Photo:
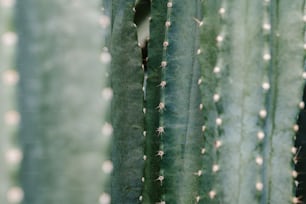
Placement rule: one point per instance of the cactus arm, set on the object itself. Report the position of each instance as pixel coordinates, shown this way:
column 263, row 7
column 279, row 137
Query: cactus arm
column 152, row 188
column 127, row 118
column 60, row 100
column 181, row 120
column 286, row 93
column 10, row 153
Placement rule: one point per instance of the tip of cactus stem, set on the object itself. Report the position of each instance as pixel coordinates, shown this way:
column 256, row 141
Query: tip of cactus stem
column 212, row 194
column 259, row 186
column 107, row 166
column 260, row 135
column 217, row 70
column 221, row 10
column 10, row 77
column 263, row 114
column 104, row 198
column 259, row 160
column 295, row 128
column 15, row 195
column 198, row 173
column 160, row 130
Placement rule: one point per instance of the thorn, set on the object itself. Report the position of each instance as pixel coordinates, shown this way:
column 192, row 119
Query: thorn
column 160, row 153
column 203, row 128
column 169, row 4
column 219, row 121
column 266, row 86
column 222, row 10
column 263, row 114
column 160, row 179
column 259, row 186
column 198, row 173
column 161, row 106
column 165, row 44
column 203, row 150
column 160, row 130
column 219, row 38
column 259, row 160
column 216, row 97
column 201, row 106
column 215, row 168
column 163, row 64
column 302, row 105
column 295, row 128
column 294, row 174
column 168, row 23
column 212, row 194
column 218, row 144
column 163, row 84
column 266, row 57
column 216, row 70
column 197, row 198
column 260, row 135
column 199, row 51
column 144, row 157
column 200, row 23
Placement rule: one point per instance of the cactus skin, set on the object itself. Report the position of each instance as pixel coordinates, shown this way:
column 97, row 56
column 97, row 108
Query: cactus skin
column 245, row 68
column 127, row 116
column 181, row 118
column 60, row 101
column 10, row 153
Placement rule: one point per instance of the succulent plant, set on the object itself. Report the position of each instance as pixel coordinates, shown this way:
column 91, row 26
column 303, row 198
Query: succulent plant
column 154, row 102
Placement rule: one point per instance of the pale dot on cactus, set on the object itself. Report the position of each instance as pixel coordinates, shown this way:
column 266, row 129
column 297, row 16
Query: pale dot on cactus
column 165, row 43
column 144, row 157
column 266, row 26
column 107, row 166
column 104, row 21
column 293, row 150
column 10, row 77
column 260, row 135
column 134, row 25
column 197, row 198
column 203, row 150
column 144, row 133
column 107, row 93
column 7, row 3
column 296, row 183
column 200, row 81
column 144, row 110
column 160, row 130
column 105, row 198
column 160, row 153
column 140, row 198
column 259, row 160
column 301, row 105
column 267, row 1
column 163, row 84
column 142, row 179
column 169, row 4
column 222, row 10
column 295, row 128
column 134, row 9
column 266, row 86
column 294, row 174
column 15, row 195
column 216, row 97
column 160, row 178
column 217, row 70
column 296, row 200
column 215, row 168
column 304, row 46
column 304, row 75
column 199, row 51
column 219, row 38
column 13, row 156
column 198, row 173
column 304, row 18
column 105, row 57
column 168, row 23
column 161, row 106
column 107, row 129
column 266, row 57
column 219, row 121
column 9, row 38
column 259, row 186
column 143, row 89
column 263, row 113
column 12, row 117
column 203, row 128
column 212, row 194
column 163, row 64
column 218, row 144
column 201, row 106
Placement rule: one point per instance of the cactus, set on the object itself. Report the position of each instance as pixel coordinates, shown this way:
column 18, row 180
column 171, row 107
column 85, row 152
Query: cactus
column 142, row 101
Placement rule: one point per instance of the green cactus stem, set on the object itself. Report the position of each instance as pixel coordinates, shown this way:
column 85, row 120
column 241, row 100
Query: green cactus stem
column 63, row 127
